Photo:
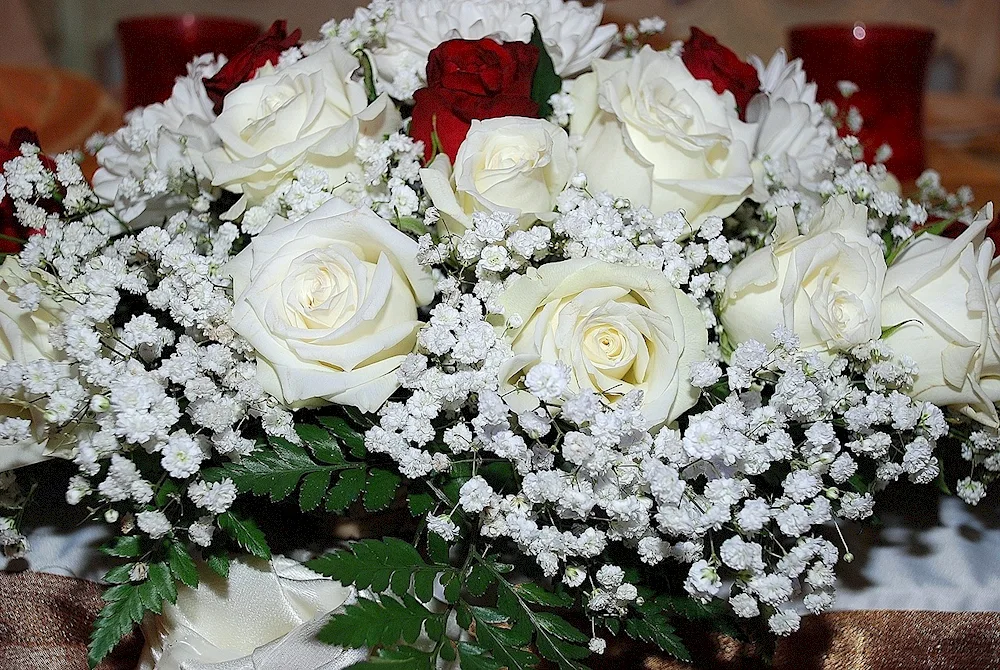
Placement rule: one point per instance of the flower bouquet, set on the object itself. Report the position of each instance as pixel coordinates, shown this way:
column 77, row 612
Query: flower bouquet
column 624, row 332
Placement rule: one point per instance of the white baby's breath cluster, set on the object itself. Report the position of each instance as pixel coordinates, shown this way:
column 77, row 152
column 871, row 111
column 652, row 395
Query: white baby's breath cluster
column 147, row 380
column 736, row 484
column 608, row 228
column 389, row 186
column 591, row 475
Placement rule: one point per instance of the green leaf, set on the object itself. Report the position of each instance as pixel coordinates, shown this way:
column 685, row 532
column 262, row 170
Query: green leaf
column 438, row 549
column 941, row 483
column 380, row 565
column 561, row 652
column 314, row 486
column 405, row 658
column 562, row 629
column 479, row 580
column 352, row 439
column 505, row 650
column 123, row 547
column 219, row 563
column 150, row 597
column 162, row 581
column 474, row 657
column 546, row 82
column 116, row 620
column 182, row 565
column 368, row 75
column 321, row 443
column 411, row 224
column 346, row 490
column 888, row 331
column 381, row 489
column 277, row 469
column 167, row 490
column 119, row 574
column 246, row 534
column 533, row 593
column 420, row 503
column 452, row 588
column 369, row 623
column 657, row 630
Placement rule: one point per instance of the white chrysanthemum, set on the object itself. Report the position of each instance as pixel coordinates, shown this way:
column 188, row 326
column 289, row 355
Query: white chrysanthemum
column 573, row 34
column 794, row 138
column 160, row 143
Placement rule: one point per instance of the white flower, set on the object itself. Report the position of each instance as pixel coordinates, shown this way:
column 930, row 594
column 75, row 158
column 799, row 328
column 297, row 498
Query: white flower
column 597, row 645
column 794, row 134
column 573, row 34
column 944, row 295
column 784, row 622
column 224, row 620
column 619, row 329
column 661, row 138
column 476, row 495
column 329, row 303
column 311, row 113
column 162, row 141
column 703, row 581
column 154, row 523
column 510, row 164
column 824, row 285
column 24, row 338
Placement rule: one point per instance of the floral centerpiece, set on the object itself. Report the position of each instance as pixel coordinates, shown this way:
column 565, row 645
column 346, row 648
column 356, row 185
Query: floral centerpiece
column 626, row 332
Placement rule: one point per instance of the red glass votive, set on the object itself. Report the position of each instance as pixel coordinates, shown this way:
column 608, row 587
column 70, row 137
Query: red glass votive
column 889, row 65
column 156, row 50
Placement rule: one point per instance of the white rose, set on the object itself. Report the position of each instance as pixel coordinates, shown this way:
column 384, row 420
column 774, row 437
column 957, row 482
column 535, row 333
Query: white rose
column 24, row 337
column 224, row 620
column 511, row 164
column 824, row 285
column 329, row 303
column 618, row 329
column 943, row 295
column 661, row 138
column 164, row 141
column 310, row 113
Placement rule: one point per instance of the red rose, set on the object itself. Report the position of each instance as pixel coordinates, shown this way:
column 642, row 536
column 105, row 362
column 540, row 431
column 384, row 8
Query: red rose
column 10, row 227
column 705, row 58
column 243, row 66
column 472, row 79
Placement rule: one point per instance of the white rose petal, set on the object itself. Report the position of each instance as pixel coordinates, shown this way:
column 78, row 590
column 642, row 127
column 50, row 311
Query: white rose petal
column 825, row 286
column 225, row 620
column 511, row 164
column 658, row 136
column 618, row 329
column 24, row 337
column 945, row 295
column 329, row 303
column 311, row 113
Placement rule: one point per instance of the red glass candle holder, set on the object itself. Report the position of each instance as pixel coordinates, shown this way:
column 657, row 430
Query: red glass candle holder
column 889, row 65
column 156, row 50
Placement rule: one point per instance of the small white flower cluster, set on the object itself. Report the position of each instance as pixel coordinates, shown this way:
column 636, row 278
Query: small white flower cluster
column 982, row 450
column 389, row 186
column 610, row 229
column 591, row 475
column 147, row 379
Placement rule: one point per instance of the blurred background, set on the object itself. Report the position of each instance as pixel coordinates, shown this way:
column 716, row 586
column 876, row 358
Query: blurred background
column 60, row 60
